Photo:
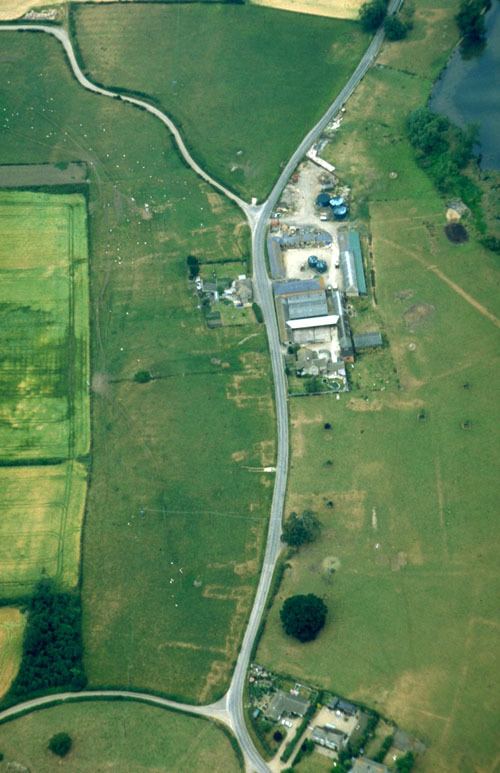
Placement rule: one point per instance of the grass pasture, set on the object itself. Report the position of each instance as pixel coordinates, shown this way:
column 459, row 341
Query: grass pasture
column 413, row 533
column 177, row 507
column 116, row 736
column 11, row 640
column 44, row 409
column 271, row 75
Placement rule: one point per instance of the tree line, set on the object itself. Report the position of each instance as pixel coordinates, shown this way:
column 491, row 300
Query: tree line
column 52, row 645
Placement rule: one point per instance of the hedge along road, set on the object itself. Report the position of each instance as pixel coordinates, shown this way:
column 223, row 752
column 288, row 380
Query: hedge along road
column 229, row 709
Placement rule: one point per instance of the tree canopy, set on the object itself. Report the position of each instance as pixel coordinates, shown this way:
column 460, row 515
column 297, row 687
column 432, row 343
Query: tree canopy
column 394, row 28
column 52, row 646
column 470, row 19
column 303, row 616
column 299, row 529
column 60, row 744
column 426, row 130
column 193, row 265
column 372, row 14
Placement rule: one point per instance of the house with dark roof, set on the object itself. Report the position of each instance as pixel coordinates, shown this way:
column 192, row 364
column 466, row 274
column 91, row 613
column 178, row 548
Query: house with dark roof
column 332, row 739
column 285, row 704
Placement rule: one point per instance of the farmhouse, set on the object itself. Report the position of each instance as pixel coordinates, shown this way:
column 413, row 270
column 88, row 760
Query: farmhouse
column 285, row 704
column 328, row 737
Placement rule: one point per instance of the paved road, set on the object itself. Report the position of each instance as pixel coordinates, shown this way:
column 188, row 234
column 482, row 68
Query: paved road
column 213, row 711
column 230, row 709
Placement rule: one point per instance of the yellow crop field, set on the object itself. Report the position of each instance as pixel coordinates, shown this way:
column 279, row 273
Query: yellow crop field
column 44, row 372
column 12, row 623
column 338, row 9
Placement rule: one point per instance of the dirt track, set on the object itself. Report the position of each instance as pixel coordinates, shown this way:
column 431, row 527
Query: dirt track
column 13, row 9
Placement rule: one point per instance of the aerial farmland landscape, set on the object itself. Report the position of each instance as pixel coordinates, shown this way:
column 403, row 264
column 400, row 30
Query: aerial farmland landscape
column 249, row 366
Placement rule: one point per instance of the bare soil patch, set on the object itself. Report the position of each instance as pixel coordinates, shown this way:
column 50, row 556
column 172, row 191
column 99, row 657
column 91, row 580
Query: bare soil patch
column 339, row 9
column 418, row 314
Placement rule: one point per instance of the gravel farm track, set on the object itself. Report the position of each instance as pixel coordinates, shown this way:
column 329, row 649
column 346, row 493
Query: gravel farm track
column 229, row 709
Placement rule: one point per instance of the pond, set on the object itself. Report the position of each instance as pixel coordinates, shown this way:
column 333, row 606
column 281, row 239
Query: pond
column 468, row 91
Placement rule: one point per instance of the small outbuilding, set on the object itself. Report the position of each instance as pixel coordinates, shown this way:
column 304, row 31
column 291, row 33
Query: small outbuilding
column 367, row 341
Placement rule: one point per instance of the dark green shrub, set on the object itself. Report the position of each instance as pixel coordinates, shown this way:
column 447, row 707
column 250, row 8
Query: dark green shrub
column 60, row 744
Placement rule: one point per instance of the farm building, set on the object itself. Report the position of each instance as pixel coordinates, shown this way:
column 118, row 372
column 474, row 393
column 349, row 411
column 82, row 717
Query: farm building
column 329, row 738
column 304, row 237
column 275, row 258
column 312, row 330
column 312, row 304
column 364, row 765
column 343, row 327
column 284, row 704
column 351, row 263
column 296, row 286
column 367, row 340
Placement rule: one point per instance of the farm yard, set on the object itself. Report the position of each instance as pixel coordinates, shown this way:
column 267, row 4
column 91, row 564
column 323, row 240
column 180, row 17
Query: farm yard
column 263, row 67
column 404, row 483
column 120, row 735
column 44, row 408
column 178, row 500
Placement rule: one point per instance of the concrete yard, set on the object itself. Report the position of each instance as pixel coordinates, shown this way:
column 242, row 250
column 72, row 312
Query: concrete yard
column 296, row 267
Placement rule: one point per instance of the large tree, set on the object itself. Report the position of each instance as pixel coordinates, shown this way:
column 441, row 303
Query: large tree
column 299, row 529
column 372, row 14
column 303, row 616
column 60, row 744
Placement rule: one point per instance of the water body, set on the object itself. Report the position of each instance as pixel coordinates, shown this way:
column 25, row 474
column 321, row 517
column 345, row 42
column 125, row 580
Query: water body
column 469, row 91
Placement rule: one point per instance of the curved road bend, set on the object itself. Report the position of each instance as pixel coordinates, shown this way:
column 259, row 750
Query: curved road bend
column 230, row 709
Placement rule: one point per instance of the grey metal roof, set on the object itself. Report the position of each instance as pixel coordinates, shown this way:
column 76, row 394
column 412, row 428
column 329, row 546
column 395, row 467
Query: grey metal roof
column 311, row 304
column 284, row 703
column 355, row 248
column 348, row 266
column 275, row 258
column 367, row 340
column 293, row 286
column 343, row 327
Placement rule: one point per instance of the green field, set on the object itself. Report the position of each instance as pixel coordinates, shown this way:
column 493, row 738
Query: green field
column 12, row 623
column 44, row 408
column 116, row 736
column 244, row 83
column 44, row 315
column 177, row 508
column 413, row 532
